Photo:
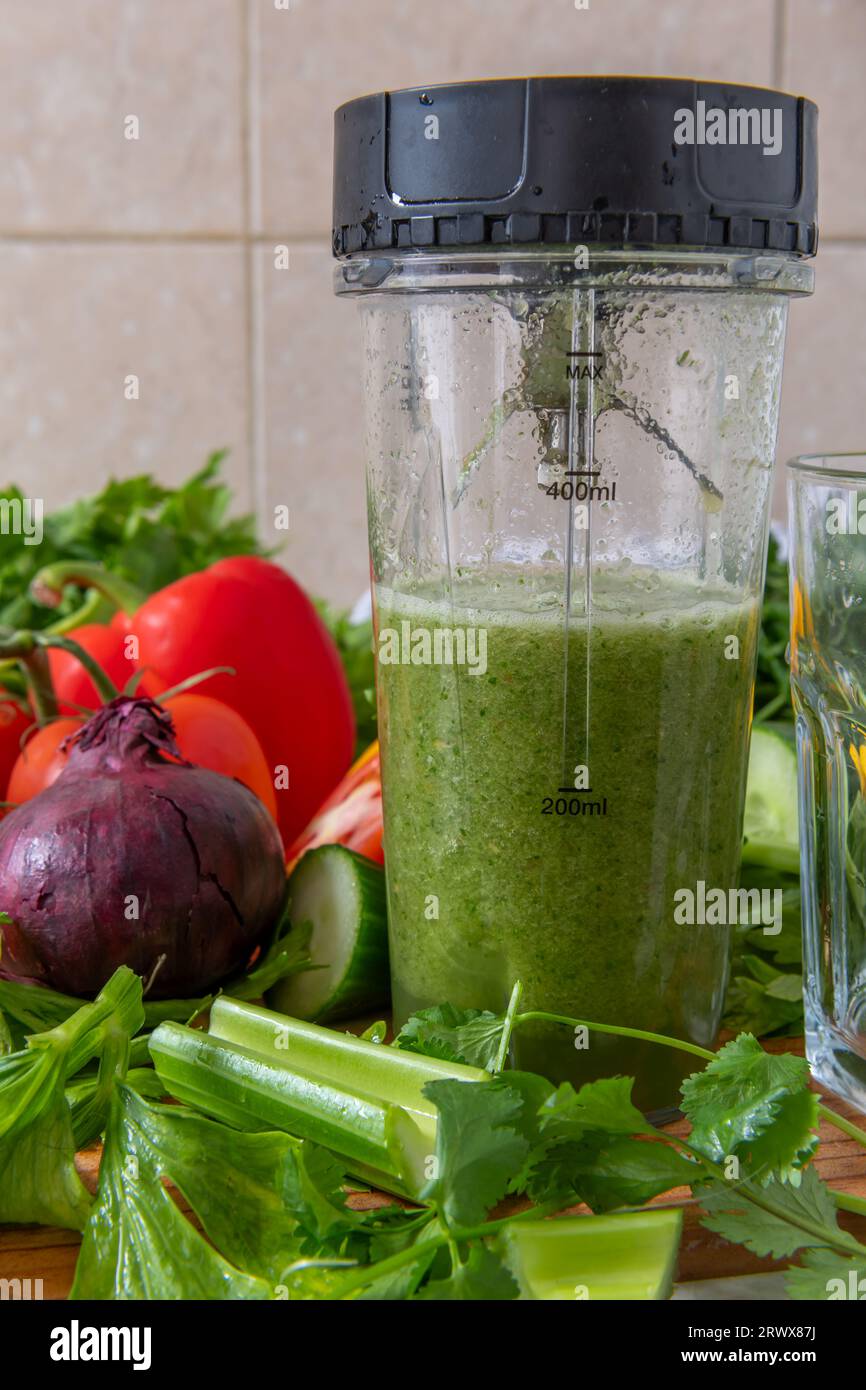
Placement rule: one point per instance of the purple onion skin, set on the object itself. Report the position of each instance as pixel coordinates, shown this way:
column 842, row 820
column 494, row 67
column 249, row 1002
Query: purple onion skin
column 197, row 851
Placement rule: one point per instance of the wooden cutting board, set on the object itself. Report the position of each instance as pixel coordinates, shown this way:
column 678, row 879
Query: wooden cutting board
column 42, row 1252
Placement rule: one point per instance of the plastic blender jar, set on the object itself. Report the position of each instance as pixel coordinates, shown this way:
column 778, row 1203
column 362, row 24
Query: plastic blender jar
column 573, row 296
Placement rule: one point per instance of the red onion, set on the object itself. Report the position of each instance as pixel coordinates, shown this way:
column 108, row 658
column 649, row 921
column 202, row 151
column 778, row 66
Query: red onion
column 135, row 857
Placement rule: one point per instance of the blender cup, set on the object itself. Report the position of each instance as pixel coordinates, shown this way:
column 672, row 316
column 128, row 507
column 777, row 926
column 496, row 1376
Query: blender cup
column 573, row 326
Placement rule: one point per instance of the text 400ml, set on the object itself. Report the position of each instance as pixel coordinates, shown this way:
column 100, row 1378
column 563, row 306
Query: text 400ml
column 575, row 488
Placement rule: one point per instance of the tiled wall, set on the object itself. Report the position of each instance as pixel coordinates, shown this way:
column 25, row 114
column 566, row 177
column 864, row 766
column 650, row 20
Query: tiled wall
column 155, row 256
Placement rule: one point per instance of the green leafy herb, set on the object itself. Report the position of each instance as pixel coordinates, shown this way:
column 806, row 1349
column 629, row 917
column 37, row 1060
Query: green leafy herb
column 779, row 1220
column 482, row 1276
column 824, row 1275
column 765, row 994
column 479, row 1147
column 354, row 642
column 38, row 1178
column 772, row 685
column 753, row 1105
column 147, row 534
column 470, row 1036
column 138, row 1244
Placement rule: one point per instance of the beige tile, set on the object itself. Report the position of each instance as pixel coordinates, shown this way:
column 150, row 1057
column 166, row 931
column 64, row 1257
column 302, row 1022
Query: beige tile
column 825, row 364
column 313, row 435
column 319, row 53
column 69, row 77
column 825, row 59
column 77, row 320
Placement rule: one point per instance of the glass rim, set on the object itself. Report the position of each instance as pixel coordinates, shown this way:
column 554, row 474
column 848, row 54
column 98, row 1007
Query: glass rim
column 825, row 466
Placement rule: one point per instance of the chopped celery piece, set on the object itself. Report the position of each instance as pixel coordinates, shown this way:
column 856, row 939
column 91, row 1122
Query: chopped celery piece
column 631, row 1255
column 363, row 1100
column 367, row 1068
column 251, row 1092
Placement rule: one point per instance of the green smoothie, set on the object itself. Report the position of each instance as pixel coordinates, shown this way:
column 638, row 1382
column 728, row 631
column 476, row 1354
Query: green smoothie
column 497, row 873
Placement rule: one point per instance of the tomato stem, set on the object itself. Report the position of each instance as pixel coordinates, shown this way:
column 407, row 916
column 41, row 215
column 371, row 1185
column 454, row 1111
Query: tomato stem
column 21, row 647
column 105, row 687
column 48, row 585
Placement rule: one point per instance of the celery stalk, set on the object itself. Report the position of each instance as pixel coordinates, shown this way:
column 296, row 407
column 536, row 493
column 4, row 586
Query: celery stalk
column 257, row 1069
column 628, row 1256
column 248, row 1091
column 368, row 1068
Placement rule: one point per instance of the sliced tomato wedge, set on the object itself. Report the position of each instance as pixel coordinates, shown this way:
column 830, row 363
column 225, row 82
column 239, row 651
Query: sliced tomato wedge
column 352, row 814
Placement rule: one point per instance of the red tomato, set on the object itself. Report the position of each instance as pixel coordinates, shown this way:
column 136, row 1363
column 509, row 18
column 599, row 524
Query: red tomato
column 72, row 684
column 208, row 733
column 214, row 736
column 40, row 761
column 14, row 722
column 352, row 814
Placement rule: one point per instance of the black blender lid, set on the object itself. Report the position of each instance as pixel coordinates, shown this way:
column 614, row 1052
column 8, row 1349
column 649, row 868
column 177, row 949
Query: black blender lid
column 634, row 161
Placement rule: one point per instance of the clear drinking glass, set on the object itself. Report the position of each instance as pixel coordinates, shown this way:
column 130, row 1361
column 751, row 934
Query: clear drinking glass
column 827, row 510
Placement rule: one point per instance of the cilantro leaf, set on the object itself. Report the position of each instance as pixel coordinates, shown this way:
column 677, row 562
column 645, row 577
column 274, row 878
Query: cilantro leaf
column 625, row 1172
column 312, row 1190
column 778, row 1234
column 482, row 1277
column 827, row 1276
column 745, row 1093
column 571, row 1128
column 469, row 1036
column 478, row 1147
column 599, row 1105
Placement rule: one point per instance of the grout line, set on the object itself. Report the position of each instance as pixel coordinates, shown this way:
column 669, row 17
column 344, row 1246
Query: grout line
column 254, row 123
column 780, row 30
column 250, row 307
column 255, row 346
column 258, row 401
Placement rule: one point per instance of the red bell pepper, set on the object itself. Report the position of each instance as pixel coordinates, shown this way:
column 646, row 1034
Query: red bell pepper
column 248, row 614
column 351, row 816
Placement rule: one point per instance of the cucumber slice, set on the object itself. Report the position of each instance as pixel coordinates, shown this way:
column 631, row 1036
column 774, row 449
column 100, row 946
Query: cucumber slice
column 631, row 1255
column 343, row 896
column 770, row 824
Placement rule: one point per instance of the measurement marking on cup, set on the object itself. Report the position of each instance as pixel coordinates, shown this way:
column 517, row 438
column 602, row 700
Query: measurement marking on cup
column 581, row 491
column 571, row 805
column 584, row 366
